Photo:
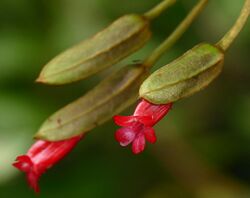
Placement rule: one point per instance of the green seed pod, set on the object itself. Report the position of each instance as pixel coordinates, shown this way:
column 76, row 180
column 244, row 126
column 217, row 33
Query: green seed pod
column 185, row 76
column 123, row 37
column 110, row 97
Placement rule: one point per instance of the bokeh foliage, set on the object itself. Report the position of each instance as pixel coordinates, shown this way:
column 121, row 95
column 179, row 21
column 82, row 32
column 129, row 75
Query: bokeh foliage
column 212, row 126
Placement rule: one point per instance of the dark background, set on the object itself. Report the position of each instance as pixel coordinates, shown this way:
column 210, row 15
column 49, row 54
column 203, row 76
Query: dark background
column 203, row 144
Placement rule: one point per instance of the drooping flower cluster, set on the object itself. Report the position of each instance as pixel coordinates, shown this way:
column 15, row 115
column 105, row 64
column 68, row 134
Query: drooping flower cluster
column 41, row 156
column 136, row 129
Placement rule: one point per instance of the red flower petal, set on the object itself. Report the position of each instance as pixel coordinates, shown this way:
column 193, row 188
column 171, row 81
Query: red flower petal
column 127, row 121
column 41, row 156
column 150, row 135
column 124, row 136
column 160, row 111
column 38, row 147
column 25, row 164
column 154, row 111
column 142, row 109
column 138, row 144
column 52, row 153
column 124, row 120
column 32, row 179
column 145, row 120
column 139, row 125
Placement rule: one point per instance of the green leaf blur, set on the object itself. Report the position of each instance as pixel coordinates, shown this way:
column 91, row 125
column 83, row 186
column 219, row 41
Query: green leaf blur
column 203, row 144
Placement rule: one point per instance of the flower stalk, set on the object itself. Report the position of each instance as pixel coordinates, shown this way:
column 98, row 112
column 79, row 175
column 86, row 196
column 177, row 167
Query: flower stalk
column 158, row 9
column 231, row 35
column 178, row 32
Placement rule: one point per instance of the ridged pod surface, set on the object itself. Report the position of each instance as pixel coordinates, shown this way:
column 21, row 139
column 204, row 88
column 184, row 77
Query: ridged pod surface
column 186, row 75
column 110, row 97
column 123, row 37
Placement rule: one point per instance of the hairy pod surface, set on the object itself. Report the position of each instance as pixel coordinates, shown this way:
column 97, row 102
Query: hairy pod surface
column 186, row 75
column 123, row 37
column 110, row 97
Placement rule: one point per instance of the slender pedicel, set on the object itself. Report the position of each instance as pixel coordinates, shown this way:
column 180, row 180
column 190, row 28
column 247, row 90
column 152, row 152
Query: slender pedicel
column 178, row 32
column 232, row 34
column 158, row 9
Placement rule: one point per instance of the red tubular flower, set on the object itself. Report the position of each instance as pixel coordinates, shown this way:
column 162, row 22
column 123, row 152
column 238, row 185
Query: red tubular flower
column 41, row 156
column 136, row 129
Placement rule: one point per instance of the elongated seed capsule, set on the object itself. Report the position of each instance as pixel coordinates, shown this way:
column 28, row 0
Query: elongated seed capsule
column 124, row 36
column 185, row 76
column 111, row 96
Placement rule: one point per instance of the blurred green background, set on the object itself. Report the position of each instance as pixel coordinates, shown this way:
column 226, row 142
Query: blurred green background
column 203, row 147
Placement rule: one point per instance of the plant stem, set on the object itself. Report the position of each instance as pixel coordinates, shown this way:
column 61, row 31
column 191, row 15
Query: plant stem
column 178, row 32
column 158, row 9
column 230, row 36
